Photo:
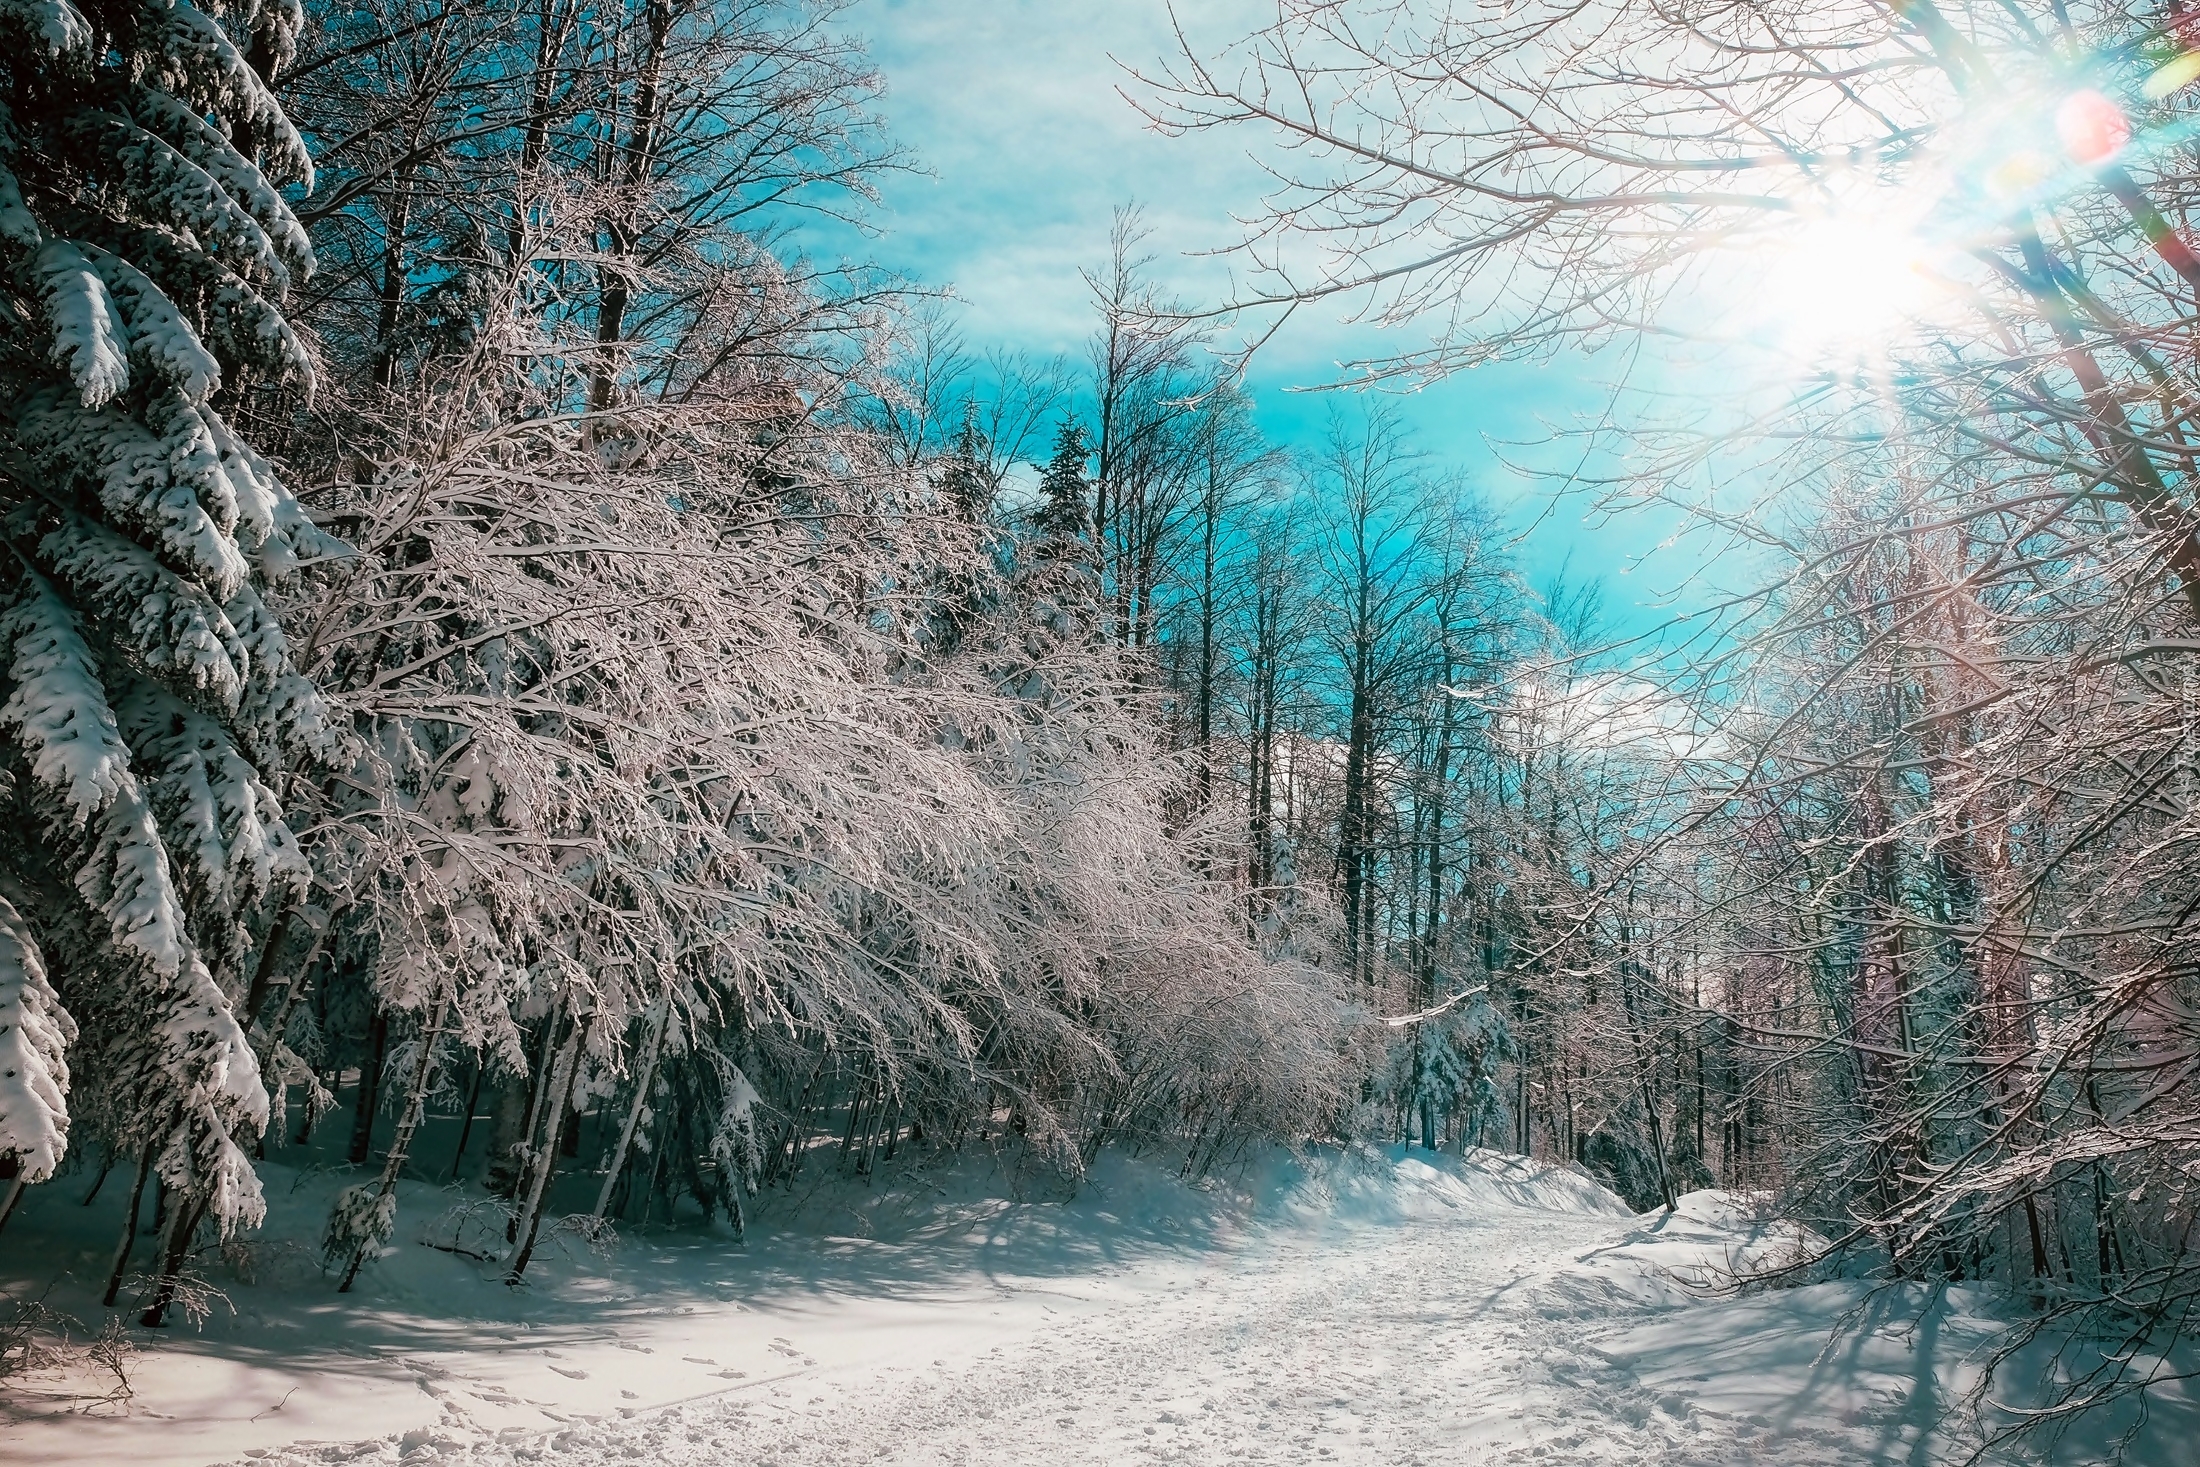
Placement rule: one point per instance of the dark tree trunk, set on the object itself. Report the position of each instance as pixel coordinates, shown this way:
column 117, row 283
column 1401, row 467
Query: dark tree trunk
column 370, row 1087
column 129, row 1230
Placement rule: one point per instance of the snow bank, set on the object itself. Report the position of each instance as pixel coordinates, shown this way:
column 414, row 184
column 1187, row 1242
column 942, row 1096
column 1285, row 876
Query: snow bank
column 1900, row 1365
column 1398, row 1183
column 1704, row 1246
column 1897, row 1368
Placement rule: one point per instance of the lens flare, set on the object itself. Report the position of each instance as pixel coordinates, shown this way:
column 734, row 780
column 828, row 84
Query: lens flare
column 2173, row 76
column 1843, row 285
column 2093, row 129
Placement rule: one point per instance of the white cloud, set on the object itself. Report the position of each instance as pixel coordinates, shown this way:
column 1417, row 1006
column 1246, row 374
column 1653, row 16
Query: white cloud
column 1014, row 106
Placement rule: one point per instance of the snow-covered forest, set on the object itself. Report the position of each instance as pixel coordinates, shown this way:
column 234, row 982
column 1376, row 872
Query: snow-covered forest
column 520, row 675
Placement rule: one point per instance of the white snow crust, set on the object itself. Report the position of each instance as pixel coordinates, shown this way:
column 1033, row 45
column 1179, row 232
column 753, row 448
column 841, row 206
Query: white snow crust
column 35, row 1035
column 1389, row 1308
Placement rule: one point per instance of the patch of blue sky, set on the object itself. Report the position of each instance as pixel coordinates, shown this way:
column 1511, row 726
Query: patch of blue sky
column 1016, row 112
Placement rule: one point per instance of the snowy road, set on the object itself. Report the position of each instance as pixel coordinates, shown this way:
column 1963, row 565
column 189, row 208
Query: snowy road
column 1442, row 1340
column 1393, row 1308
column 1453, row 1332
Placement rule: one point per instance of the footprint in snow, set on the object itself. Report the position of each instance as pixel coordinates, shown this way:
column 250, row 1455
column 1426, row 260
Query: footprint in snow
column 570, row 1374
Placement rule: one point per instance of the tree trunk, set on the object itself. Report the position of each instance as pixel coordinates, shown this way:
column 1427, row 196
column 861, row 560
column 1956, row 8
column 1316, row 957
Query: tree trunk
column 473, row 1103
column 392, row 289
column 640, row 150
column 129, row 1230
column 370, row 1087
column 263, row 972
column 184, row 1216
column 644, row 1074
column 518, row 1116
column 546, row 1160
column 99, row 1181
column 1354, row 833
column 555, row 19
column 407, row 1125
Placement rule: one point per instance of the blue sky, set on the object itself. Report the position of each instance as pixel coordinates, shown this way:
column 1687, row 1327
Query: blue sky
column 1014, row 108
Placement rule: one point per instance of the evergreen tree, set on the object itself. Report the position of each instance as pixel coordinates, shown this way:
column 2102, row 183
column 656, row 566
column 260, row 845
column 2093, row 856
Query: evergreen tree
column 969, row 490
column 968, row 589
column 147, row 699
column 1064, row 525
column 1057, row 579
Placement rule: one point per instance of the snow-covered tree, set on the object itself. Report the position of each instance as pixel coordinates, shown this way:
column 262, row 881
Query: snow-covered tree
column 147, row 699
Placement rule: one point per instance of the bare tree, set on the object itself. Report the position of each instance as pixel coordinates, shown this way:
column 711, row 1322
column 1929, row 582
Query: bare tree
column 1377, row 516
column 1939, row 248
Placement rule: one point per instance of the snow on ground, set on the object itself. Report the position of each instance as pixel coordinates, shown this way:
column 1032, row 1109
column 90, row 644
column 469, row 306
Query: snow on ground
column 1390, row 1309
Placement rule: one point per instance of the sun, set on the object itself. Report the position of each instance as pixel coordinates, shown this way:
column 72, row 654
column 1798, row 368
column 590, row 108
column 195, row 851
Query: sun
column 1844, row 285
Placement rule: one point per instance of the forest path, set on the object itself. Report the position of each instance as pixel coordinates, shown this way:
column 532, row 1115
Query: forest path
column 1456, row 1330
column 1439, row 1340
